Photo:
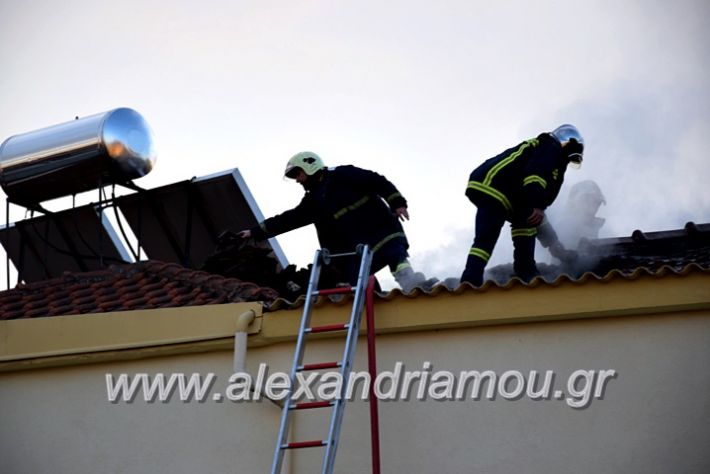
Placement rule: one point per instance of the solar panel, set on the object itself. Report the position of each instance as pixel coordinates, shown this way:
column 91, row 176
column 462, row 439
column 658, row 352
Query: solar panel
column 181, row 222
column 75, row 240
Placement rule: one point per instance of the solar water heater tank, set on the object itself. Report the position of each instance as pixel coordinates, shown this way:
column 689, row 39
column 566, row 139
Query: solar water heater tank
column 113, row 147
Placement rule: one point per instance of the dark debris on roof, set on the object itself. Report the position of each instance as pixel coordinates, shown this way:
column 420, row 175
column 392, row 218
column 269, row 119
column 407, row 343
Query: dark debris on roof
column 651, row 251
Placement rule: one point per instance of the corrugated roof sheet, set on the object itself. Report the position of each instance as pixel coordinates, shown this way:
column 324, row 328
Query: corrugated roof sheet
column 441, row 288
column 678, row 252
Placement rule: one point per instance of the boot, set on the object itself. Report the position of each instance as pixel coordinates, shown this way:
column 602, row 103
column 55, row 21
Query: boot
column 473, row 273
column 524, row 258
column 408, row 279
column 527, row 274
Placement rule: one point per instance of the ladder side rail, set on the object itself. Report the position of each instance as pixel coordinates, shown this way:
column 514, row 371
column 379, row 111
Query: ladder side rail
column 348, row 354
column 297, row 361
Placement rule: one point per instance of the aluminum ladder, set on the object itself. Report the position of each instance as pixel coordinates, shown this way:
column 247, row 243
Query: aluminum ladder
column 337, row 405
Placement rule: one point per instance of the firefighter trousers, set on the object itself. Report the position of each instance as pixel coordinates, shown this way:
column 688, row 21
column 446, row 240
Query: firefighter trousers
column 490, row 218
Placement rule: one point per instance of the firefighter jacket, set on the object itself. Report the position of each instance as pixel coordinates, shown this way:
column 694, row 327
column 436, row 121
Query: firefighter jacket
column 348, row 206
column 521, row 178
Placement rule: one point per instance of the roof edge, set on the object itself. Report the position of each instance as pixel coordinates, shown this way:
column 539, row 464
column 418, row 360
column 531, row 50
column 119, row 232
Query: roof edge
column 86, row 335
column 129, row 335
column 468, row 307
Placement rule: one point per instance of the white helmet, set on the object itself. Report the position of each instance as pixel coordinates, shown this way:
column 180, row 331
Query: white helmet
column 572, row 141
column 308, row 161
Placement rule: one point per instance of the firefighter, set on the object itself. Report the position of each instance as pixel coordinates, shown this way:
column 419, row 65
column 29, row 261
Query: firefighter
column 580, row 214
column 517, row 186
column 348, row 206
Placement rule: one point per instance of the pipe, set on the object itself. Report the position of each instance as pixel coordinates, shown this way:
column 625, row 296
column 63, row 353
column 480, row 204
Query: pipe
column 240, row 348
column 240, row 356
column 240, row 340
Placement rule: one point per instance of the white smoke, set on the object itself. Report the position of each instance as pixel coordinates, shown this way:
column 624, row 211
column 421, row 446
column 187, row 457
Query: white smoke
column 646, row 151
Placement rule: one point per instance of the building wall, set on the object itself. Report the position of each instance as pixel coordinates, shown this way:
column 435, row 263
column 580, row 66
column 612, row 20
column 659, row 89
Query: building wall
column 652, row 418
column 60, row 421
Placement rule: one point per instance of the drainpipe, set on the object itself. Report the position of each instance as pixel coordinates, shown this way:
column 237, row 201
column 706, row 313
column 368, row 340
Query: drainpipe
column 240, row 348
column 240, row 358
column 240, row 340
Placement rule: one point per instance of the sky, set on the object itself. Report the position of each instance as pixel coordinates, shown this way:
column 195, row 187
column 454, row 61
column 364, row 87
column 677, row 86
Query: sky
column 420, row 91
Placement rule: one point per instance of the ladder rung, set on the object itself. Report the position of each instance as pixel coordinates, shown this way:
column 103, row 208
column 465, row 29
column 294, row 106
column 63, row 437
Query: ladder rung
column 329, row 328
column 322, row 365
column 351, row 327
column 346, row 254
column 304, row 444
column 308, row 405
column 341, row 290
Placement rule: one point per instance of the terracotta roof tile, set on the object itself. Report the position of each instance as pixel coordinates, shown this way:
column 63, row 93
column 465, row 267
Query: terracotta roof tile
column 13, row 306
column 56, row 310
column 13, row 314
column 141, row 285
column 31, row 313
column 159, row 301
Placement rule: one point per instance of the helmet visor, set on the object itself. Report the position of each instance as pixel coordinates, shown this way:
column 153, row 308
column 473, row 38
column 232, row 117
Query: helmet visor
column 574, row 150
column 291, row 171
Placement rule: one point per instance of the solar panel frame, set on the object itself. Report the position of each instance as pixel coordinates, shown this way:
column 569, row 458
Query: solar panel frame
column 74, row 240
column 181, row 222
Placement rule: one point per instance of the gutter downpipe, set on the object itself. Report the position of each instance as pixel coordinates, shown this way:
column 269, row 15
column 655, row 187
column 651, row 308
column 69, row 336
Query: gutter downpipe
column 240, row 350
column 240, row 357
column 240, row 340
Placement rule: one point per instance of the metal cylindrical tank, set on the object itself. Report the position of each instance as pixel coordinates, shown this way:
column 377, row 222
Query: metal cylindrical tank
column 111, row 147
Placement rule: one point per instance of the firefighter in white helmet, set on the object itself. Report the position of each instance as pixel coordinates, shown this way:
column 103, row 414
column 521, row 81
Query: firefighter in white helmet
column 348, row 206
column 517, row 186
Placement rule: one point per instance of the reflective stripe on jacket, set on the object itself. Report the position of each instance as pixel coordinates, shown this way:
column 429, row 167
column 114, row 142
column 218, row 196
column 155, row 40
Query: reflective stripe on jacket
column 524, row 177
column 348, row 206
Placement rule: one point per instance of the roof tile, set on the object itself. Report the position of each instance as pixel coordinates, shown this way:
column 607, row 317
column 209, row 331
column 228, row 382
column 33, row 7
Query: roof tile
column 141, row 285
column 35, row 312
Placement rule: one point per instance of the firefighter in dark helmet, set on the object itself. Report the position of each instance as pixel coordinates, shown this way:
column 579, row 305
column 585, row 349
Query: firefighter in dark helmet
column 517, row 186
column 348, row 206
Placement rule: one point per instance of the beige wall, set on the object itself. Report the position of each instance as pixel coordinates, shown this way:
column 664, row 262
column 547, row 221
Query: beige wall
column 59, row 421
column 654, row 417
